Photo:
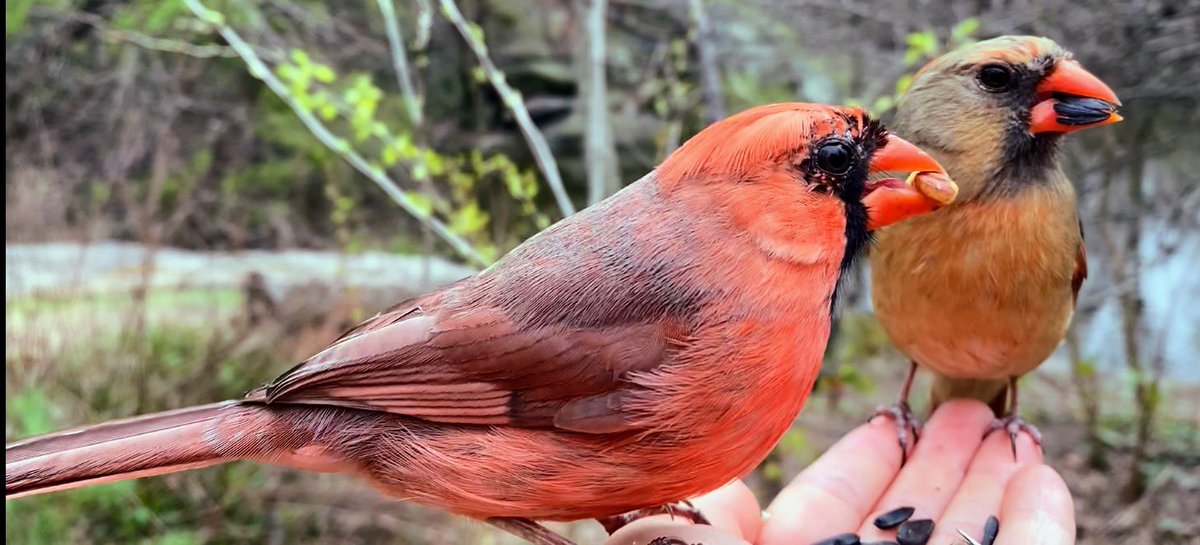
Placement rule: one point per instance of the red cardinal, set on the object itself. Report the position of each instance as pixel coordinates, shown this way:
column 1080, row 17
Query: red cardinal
column 981, row 292
column 649, row 349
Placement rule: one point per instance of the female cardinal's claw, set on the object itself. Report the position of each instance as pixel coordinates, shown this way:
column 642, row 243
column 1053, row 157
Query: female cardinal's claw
column 683, row 509
column 905, row 421
column 1013, row 424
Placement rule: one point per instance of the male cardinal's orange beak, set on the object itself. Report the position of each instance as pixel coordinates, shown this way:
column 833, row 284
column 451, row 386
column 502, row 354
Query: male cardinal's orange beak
column 1071, row 98
column 926, row 189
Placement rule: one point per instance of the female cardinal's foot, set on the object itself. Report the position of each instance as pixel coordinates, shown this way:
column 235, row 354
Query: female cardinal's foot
column 1013, row 424
column 683, row 509
column 905, row 421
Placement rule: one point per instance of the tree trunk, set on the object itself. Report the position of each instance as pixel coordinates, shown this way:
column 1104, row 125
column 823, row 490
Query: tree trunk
column 1088, row 387
column 710, row 71
column 1132, row 310
column 600, row 153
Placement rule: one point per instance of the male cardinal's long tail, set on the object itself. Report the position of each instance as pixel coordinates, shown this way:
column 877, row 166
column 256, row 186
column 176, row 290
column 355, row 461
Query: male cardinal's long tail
column 154, row 444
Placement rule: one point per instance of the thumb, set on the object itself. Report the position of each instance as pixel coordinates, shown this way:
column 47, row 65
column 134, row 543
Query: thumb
column 732, row 509
column 1037, row 509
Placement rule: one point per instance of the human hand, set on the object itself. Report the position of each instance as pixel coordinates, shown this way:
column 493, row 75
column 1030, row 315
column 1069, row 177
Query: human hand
column 954, row 477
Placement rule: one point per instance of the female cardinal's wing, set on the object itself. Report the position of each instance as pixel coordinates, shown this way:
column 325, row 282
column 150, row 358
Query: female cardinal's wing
column 1081, row 270
column 547, row 339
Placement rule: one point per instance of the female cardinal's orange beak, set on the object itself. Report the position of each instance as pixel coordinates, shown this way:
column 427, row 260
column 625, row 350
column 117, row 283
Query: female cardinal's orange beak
column 926, row 188
column 1071, row 98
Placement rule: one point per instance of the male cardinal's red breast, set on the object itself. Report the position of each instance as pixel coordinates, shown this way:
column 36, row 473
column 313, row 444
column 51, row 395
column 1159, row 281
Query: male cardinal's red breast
column 981, row 291
column 646, row 350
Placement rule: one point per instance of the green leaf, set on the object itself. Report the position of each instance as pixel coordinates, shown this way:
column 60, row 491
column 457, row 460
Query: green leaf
column 15, row 14
column 419, row 201
column 882, row 105
column 162, row 16
column 327, row 111
column 389, row 156
column 301, row 58
column 469, row 220
column 324, row 73
column 903, row 84
column 476, row 33
column 965, row 30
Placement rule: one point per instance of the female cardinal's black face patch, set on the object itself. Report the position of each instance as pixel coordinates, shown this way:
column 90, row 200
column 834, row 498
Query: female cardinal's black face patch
column 1025, row 157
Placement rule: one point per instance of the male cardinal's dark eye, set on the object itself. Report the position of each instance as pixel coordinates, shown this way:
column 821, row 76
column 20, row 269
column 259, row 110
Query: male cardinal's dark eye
column 995, row 77
column 835, row 157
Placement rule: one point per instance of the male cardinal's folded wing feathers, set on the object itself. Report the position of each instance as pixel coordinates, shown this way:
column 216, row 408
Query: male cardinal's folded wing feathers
column 476, row 367
column 488, row 354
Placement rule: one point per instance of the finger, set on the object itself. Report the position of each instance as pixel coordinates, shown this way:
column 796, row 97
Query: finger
column 732, row 509
column 832, row 495
column 937, row 465
column 660, row 530
column 1037, row 509
column 982, row 489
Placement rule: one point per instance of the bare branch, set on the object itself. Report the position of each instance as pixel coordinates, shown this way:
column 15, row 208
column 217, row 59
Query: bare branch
column 512, row 99
column 412, row 102
column 150, row 42
column 260, row 70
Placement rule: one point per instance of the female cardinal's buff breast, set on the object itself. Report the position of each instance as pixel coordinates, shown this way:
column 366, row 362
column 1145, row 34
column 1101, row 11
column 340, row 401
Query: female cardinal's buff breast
column 646, row 350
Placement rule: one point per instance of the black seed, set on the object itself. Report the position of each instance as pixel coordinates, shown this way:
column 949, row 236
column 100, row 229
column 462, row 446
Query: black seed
column 990, row 529
column 840, row 539
column 893, row 518
column 915, row 532
column 1072, row 110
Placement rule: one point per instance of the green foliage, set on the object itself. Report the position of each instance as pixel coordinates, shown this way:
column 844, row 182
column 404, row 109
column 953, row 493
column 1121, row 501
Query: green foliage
column 922, row 46
column 357, row 104
column 15, row 12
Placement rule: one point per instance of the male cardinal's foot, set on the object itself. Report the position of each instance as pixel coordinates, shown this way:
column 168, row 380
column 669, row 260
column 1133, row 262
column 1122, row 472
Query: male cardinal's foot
column 683, row 509
column 529, row 531
column 905, row 421
column 1013, row 424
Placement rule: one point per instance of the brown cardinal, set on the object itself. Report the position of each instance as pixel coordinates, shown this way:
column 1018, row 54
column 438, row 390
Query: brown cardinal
column 641, row 352
column 981, row 292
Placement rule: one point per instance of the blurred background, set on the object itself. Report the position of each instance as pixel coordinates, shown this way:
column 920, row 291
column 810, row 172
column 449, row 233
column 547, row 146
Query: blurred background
column 196, row 196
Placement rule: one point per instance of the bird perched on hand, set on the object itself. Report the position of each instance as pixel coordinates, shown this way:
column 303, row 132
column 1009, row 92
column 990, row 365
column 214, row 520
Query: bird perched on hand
column 982, row 291
column 646, row 350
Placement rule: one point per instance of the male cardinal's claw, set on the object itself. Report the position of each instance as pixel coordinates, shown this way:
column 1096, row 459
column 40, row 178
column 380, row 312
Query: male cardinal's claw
column 1013, row 424
column 905, row 421
column 683, row 509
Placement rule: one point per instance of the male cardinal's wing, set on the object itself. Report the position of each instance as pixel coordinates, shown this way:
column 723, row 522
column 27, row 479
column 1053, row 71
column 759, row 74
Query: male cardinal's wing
column 492, row 353
column 1081, row 270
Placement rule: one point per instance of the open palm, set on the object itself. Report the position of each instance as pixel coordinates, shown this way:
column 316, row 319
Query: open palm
column 954, row 477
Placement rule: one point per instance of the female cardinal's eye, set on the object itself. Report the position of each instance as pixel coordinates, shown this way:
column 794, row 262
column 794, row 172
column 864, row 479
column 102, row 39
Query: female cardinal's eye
column 995, row 77
column 835, row 157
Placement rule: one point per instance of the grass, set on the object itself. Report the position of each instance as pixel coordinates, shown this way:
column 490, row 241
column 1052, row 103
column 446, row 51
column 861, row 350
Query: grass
column 76, row 360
